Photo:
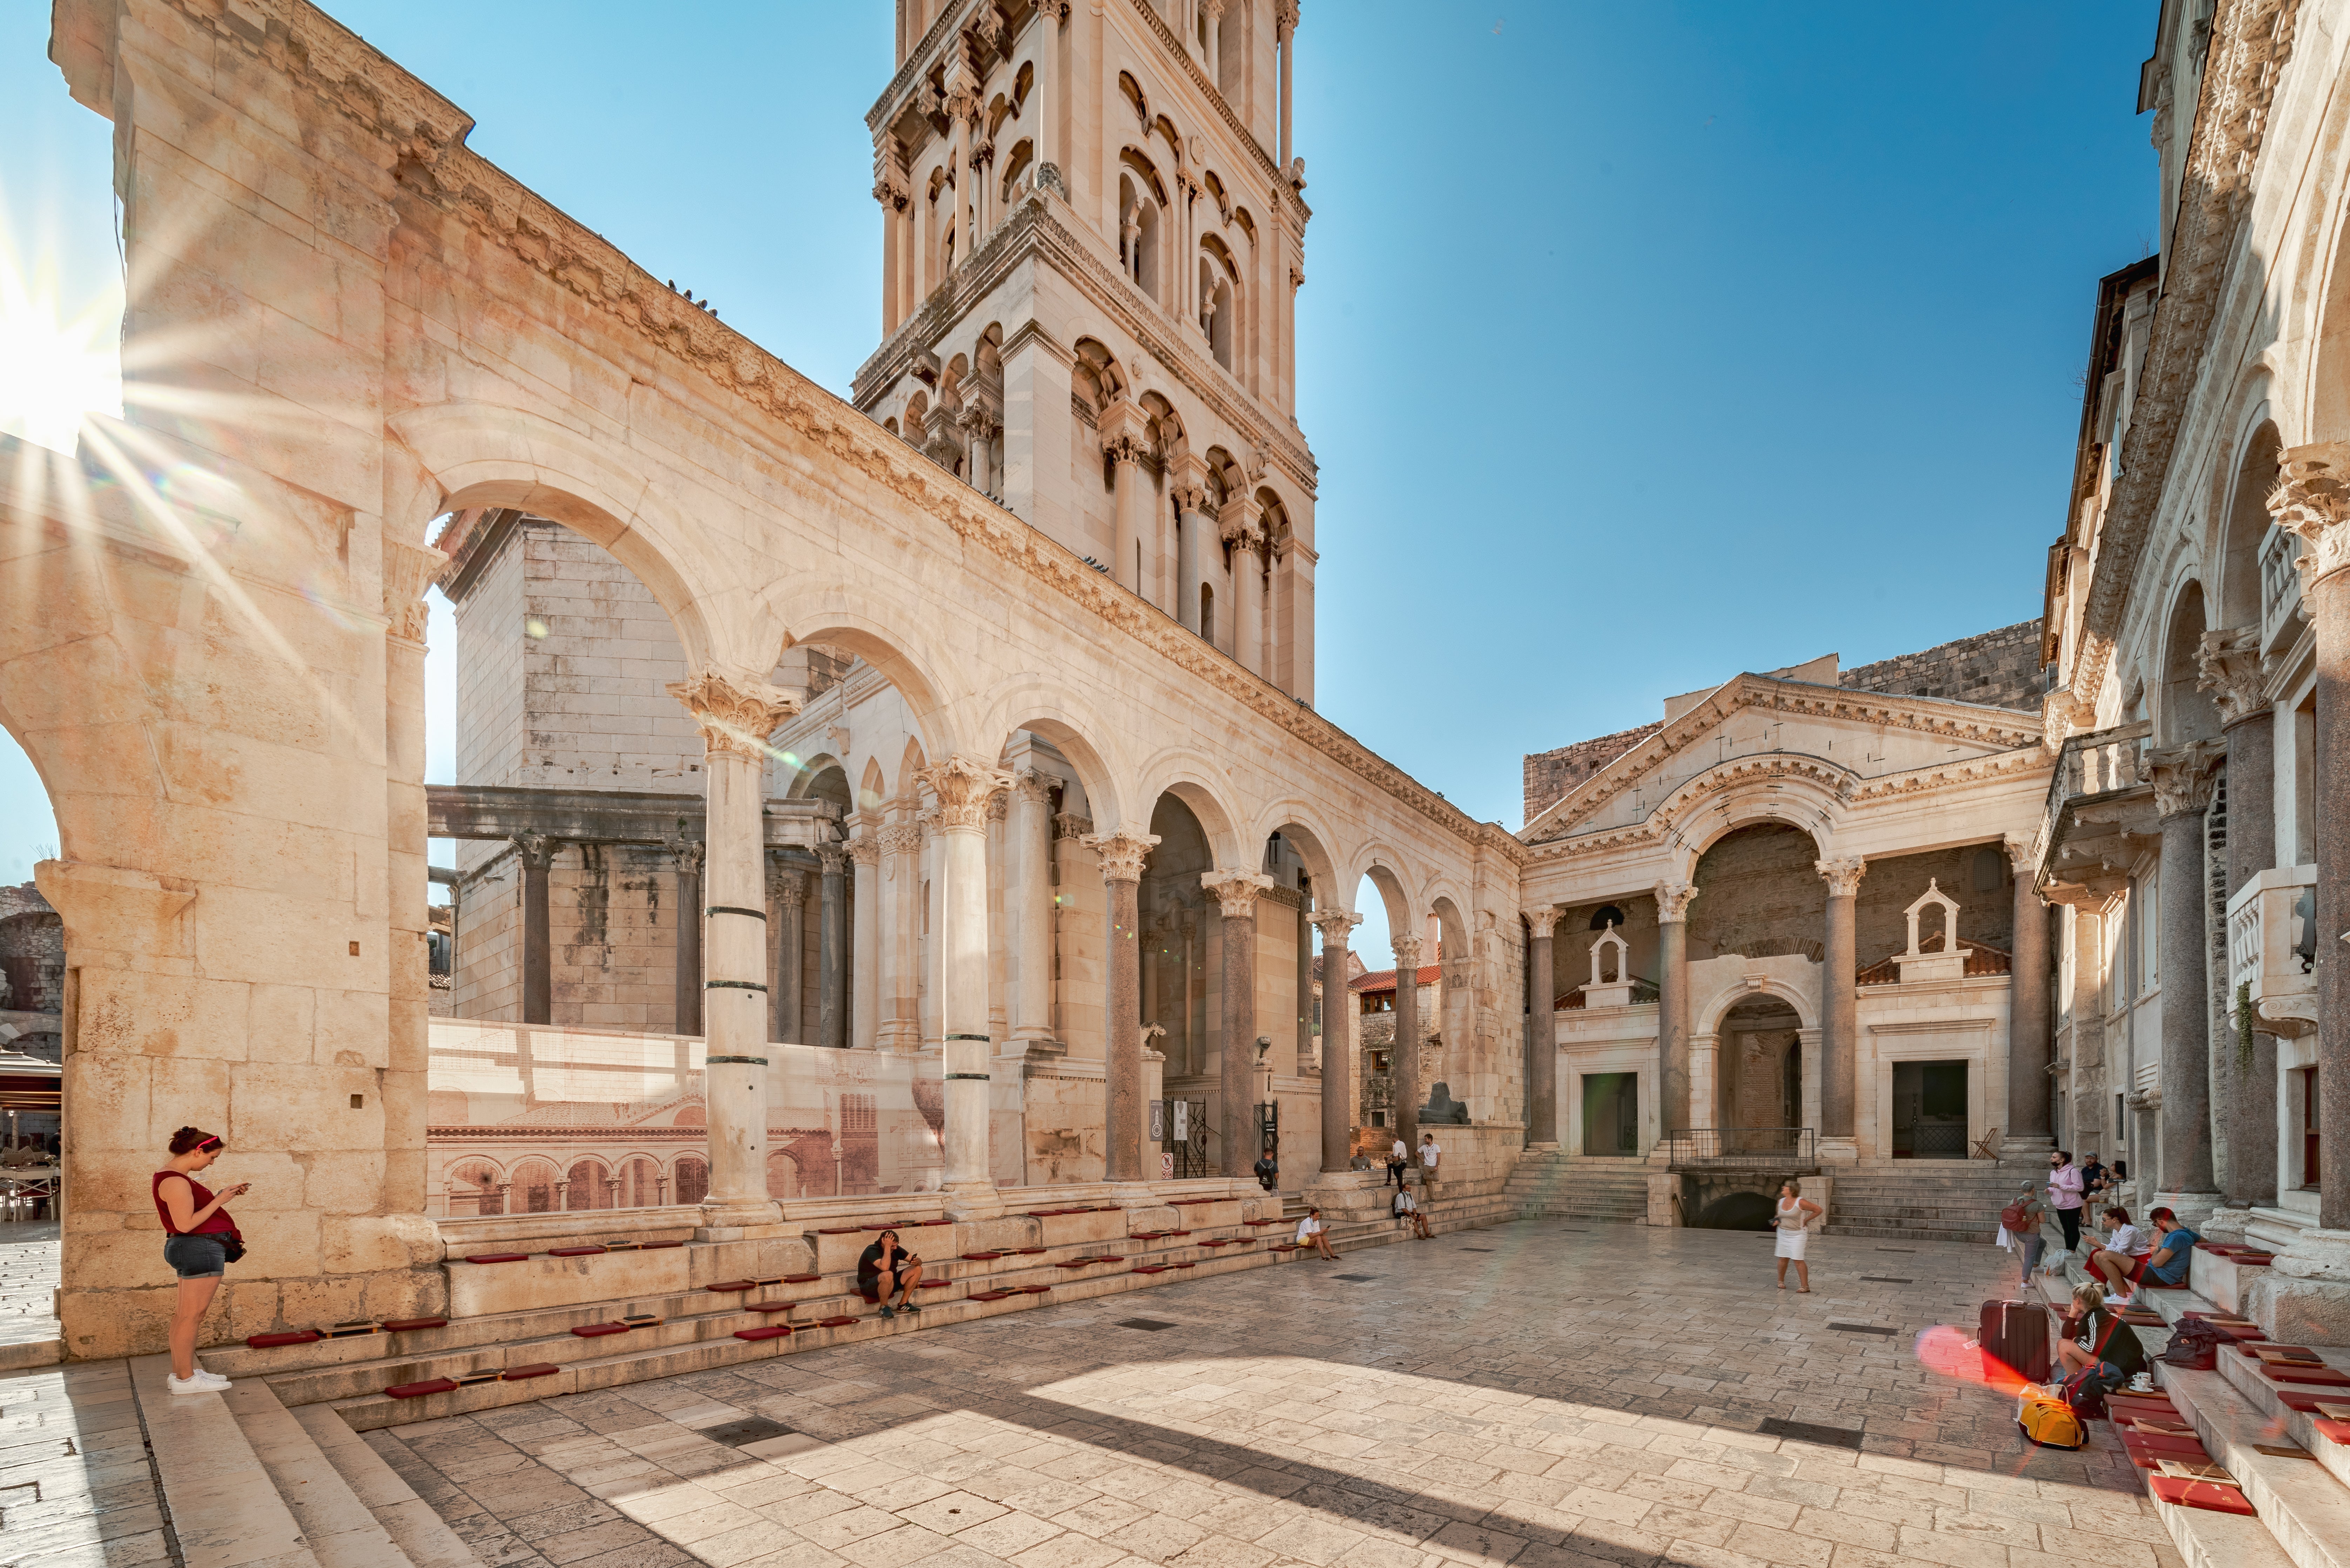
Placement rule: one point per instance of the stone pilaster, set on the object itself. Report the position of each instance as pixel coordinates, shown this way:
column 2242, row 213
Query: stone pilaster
column 786, row 915
column 1840, row 1001
column 962, row 788
column 1673, row 900
column 2029, row 1037
column 535, row 852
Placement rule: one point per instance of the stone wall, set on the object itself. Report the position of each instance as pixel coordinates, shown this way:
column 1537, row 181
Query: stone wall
column 1986, row 914
column 1549, row 775
column 1999, row 668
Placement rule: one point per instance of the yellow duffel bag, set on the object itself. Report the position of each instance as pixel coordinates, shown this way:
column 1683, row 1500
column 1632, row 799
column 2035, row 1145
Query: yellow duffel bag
column 2047, row 1420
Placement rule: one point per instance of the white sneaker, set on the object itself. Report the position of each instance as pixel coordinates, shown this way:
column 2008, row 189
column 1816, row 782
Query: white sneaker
column 201, row 1383
column 212, row 1378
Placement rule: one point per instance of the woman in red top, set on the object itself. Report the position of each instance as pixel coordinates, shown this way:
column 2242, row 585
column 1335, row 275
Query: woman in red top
column 197, row 1236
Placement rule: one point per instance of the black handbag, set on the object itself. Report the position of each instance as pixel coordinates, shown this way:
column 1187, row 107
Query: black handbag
column 232, row 1249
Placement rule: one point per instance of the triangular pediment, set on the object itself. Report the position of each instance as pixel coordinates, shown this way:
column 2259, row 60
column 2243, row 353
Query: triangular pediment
column 1832, row 738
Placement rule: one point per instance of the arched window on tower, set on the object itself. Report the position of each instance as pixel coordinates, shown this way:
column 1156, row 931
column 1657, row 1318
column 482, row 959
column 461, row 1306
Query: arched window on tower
column 1207, row 613
column 1137, row 227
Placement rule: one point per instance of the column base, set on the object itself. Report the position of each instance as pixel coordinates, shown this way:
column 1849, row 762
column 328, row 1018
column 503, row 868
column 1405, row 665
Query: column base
column 2193, row 1210
column 2032, row 1148
column 971, row 1199
column 2228, row 1224
column 727, row 1221
column 1839, row 1151
column 2304, row 1297
column 1545, row 1147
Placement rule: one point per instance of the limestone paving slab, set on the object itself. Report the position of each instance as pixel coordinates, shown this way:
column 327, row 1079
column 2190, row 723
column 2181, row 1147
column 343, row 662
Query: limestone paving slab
column 1572, row 1397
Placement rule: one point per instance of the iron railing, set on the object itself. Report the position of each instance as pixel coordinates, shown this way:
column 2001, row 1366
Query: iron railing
column 1791, row 1149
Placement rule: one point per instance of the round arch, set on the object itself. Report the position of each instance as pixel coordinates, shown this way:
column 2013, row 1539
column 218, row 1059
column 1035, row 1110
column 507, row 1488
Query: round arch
column 1204, row 789
column 2186, row 712
column 1300, row 828
column 1709, row 1019
column 836, row 616
column 1380, row 865
column 2243, row 520
column 1029, row 704
column 1796, row 792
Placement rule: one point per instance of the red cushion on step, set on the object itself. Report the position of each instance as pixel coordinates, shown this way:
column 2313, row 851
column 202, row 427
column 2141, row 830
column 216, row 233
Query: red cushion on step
column 599, row 1330
column 990, row 1295
column 418, row 1390
column 576, row 1252
column 411, row 1324
column 844, row 1230
column 724, row 1285
column 934, row 1284
column 1153, row 1268
column 1184, row 1265
column 1175, row 1232
column 522, row 1374
column 657, row 1246
column 270, row 1340
column 1032, row 1290
column 981, row 1257
column 2210, row 1495
column 2310, row 1377
column 834, row 1322
column 1110, row 1258
column 1073, row 1262
column 768, row 1331
column 926, row 1224
column 497, row 1256
column 801, row 1279
column 768, row 1306
column 1031, row 1251
column 2161, row 1443
column 2305, row 1400
column 2332, row 1430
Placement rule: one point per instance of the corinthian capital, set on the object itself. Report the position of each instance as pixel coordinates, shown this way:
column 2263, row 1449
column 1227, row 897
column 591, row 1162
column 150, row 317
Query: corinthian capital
column 2229, row 662
column 963, row 788
column 1335, row 926
column 2182, row 779
column 1544, row 919
column 1673, row 900
column 1407, row 953
column 865, row 850
column 735, row 716
column 1032, row 788
column 408, row 571
column 1285, row 18
column 1122, row 853
column 1843, row 876
column 1235, row 891
column 2312, row 500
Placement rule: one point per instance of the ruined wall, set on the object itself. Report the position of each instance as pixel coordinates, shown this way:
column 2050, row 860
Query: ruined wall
column 1549, row 775
column 2000, row 668
column 1986, row 913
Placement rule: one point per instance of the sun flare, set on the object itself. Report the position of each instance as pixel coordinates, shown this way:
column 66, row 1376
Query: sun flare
column 59, row 361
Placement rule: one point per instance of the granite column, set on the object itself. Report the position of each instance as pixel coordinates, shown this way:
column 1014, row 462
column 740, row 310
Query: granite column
column 1542, row 1031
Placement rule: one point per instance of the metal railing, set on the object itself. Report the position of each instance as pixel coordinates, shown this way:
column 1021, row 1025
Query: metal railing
column 1742, row 1148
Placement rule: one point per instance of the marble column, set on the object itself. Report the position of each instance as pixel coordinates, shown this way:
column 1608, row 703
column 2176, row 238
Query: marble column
column 2231, row 664
column 962, row 787
column 2182, row 792
column 1248, row 589
column 1050, row 15
column 2030, row 1039
column 1122, row 855
column 787, row 912
column 962, row 103
column 2312, row 500
column 1673, row 900
column 1339, row 1078
column 1284, row 34
column 735, row 715
column 685, row 966
column 865, row 942
column 1840, row 1000
column 899, row 1028
column 535, row 853
column 1187, row 487
column 1302, row 1048
column 1542, row 1032
column 1030, row 852
column 832, row 949
column 1124, row 444
column 892, row 190
column 1403, row 1063
column 1236, row 895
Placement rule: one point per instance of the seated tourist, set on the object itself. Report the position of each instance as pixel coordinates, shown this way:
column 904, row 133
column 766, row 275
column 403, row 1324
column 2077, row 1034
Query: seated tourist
column 2125, row 1244
column 2097, row 1341
column 1310, row 1234
column 886, row 1266
column 2166, row 1262
column 1406, row 1208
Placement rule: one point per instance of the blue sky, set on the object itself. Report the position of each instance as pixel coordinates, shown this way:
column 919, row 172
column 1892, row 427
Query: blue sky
column 1641, row 343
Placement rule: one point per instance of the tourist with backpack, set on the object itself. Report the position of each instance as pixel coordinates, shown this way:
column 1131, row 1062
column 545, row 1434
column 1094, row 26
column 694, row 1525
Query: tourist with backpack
column 2099, row 1351
column 2020, row 1225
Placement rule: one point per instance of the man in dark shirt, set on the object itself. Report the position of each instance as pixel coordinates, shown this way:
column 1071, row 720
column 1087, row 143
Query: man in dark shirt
column 886, row 1266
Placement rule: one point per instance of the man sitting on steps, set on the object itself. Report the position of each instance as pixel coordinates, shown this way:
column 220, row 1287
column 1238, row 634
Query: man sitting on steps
column 1406, row 1208
column 886, row 1266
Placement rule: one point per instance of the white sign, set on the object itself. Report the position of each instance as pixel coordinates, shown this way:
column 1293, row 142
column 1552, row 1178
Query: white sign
column 1182, row 1121
column 1166, row 1165
column 1158, row 1121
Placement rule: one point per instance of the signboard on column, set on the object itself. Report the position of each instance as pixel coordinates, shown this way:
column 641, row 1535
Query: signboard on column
column 1158, row 1121
column 1182, row 1121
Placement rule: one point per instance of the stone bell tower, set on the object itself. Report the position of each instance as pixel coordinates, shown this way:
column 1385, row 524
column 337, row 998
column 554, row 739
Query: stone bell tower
column 1093, row 231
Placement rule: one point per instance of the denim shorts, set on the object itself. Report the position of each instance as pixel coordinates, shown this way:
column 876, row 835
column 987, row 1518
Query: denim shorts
column 196, row 1257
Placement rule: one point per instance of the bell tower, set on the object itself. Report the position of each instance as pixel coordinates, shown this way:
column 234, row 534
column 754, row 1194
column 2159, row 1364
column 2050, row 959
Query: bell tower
column 1093, row 232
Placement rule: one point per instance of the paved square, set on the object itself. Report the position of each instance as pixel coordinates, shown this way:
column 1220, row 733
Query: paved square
column 1573, row 1396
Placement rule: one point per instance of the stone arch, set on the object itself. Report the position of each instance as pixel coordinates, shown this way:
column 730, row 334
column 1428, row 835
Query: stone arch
column 808, row 770
column 872, row 787
column 1203, row 790
column 1069, row 733
column 2185, row 712
column 1299, row 826
column 1799, row 793
column 911, row 766
column 593, row 1174
column 1720, row 1006
column 2244, row 523
column 834, row 618
column 1380, row 865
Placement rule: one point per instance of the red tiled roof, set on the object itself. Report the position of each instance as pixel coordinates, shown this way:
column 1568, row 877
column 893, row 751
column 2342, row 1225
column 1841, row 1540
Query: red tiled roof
column 1380, row 979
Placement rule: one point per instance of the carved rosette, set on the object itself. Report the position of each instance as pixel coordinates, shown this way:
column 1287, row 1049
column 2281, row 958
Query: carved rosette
column 2229, row 666
column 1122, row 853
column 1673, row 900
column 1335, row 925
column 2311, row 501
column 2182, row 780
column 962, row 788
column 1843, row 876
column 1544, row 919
column 1235, row 891
column 735, row 716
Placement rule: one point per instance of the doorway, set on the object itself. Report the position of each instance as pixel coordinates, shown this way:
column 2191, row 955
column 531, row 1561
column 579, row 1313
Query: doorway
column 1611, row 1113
column 1929, row 1110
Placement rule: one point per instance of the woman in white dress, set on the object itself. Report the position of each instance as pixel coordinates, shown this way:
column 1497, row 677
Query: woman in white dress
column 1790, row 1218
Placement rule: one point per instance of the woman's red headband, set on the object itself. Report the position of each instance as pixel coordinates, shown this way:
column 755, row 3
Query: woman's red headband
column 212, row 1141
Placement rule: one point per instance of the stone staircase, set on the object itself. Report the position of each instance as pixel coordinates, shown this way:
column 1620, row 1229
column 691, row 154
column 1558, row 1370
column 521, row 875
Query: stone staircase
column 1930, row 1200
column 1580, row 1187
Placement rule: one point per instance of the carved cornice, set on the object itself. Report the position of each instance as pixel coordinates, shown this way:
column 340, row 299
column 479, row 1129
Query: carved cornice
column 1235, row 891
column 2251, row 42
column 1122, row 853
column 2229, row 662
column 1843, row 876
column 736, row 717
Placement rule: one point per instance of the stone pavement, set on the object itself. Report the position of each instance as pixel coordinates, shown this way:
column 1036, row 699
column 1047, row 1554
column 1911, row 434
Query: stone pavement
column 1536, row 1394
column 28, row 1283
column 75, row 1487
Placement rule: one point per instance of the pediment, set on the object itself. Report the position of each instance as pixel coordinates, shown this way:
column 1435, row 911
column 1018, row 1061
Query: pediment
column 1755, row 729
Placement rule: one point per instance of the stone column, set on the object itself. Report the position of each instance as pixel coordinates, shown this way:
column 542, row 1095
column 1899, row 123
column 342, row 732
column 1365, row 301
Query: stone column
column 1188, row 488
column 1673, row 900
column 962, row 109
column 1031, row 915
column 832, row 951
column 2312, row 500
column 1212, row 13
column 899, row 847
column 737, row 715
column 1840, row 1000
column 2182, row 790
column 962, row 787
column 865, row 941
column 1542, row 1033
column 787, row 911
column 685, row 982
column 1125, row 442
column 1301, row 1049
column 1122, row 855
column 2230, row 663
column 893, row 192
column 1236, row 895
column 535, row 853
column 1403, row 1069
column 1050, row 15
column 1284, row 34
column 2029, row 1034
column 1339, row 1079
column 1248, row 589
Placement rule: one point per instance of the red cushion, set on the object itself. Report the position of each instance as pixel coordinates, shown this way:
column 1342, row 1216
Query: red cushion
column 2161, row 1443
column 724, row 1285
column 497, row 1256
column 981, row 1257
column 2332, row 1430
column 418, row 1390
column 766, row 1331
column 2314, row 1376
column 1185, row 1265
column 269, row 1341
column 535, row 1369
column 1073, row 1262
column 926, row 1224
column 657, row 1246
column 1032, row 1290
column 2212, row 1495
column 2305, row 1400
column 800, row 1279
column 991, row 1295
column 599, row 1330
column 411, row 1324
column 1152, row 1269
column 575, row 1251
column 767, row 1306
column 844, row 1230
column 1029, row 1252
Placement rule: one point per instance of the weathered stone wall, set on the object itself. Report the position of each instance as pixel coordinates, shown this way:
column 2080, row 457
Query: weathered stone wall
column 2000, row 668
column 1758, row 895
column 1986, row 914
column 1548, row 775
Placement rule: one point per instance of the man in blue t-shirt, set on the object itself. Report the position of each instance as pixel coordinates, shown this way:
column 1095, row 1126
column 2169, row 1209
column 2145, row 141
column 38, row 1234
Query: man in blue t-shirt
column 2173, row 1249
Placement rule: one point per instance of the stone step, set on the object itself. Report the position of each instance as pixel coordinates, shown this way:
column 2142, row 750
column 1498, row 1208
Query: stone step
column 341, row 1530
column 224, row 1508
column 411, row 1522
column 2304, row 1507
